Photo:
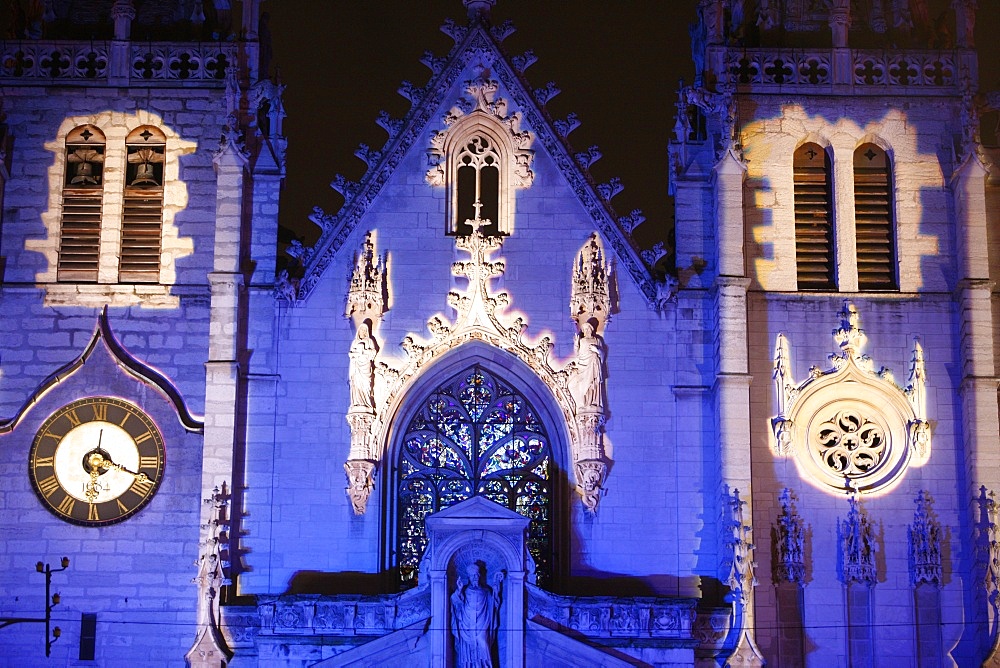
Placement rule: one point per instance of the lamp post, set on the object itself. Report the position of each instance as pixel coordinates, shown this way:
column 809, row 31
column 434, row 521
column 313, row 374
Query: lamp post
column 51, row 600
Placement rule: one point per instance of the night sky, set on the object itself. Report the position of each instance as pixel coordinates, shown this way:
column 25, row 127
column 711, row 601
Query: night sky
column 616, row 62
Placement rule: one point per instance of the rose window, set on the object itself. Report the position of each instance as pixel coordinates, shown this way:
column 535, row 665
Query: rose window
column 851, row 444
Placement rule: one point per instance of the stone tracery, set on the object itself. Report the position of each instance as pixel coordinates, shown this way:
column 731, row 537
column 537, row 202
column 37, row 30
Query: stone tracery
column 578, row 387
column 850, row 425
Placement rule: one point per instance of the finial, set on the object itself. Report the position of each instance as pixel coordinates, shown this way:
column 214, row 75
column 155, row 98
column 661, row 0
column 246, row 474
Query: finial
column 479, row 9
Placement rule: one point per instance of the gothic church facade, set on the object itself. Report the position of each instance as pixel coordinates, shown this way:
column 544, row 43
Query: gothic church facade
column 475, row 423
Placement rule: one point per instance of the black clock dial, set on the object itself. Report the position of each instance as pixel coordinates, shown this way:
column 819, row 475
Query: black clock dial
column 96, row 461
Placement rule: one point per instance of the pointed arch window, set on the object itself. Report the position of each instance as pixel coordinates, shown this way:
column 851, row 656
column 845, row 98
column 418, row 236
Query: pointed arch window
column 814, row 240
column 142, row 215
column 473, row 436
column 477, row 185
column 874, row 225
column 82, row 198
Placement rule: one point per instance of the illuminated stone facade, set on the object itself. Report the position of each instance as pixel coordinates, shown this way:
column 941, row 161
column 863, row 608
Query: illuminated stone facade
column 475, row 395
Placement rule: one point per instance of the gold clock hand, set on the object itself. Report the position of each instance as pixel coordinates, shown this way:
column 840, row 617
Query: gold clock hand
column 99, row 462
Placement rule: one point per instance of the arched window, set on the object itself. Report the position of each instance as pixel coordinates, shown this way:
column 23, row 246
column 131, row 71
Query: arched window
column 477, row 185
column 473, row 436
column 83, row 194
column 814, row 249
column 142, row 215
column 874, row 227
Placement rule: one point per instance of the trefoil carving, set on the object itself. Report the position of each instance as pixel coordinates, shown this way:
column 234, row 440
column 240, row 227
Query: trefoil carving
column 925, row 543
column 850, row 426
column 857, row 545
column 788, row 539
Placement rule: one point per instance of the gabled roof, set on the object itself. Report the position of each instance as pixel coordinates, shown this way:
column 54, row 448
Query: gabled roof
column 472, row 41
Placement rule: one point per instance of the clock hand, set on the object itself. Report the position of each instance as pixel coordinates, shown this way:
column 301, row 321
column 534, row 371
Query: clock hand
column 99, row 462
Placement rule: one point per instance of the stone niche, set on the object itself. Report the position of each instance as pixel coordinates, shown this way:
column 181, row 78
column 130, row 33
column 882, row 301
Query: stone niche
column 477, row 539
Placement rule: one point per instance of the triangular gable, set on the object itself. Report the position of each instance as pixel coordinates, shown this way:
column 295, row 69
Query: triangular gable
column 470, row 41
column 477, row 508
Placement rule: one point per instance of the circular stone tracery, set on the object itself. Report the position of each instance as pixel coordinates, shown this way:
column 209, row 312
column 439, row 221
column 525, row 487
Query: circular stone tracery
column 851, row 444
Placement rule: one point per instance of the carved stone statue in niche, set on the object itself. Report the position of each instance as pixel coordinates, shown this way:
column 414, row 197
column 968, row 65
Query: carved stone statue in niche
column 475, row 617
column 362, row 369
column 587, row 381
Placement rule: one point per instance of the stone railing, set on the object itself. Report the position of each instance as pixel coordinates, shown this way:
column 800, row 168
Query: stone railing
column 27, row 62
column 315, row 614
column 919, row 71
column 616, row 617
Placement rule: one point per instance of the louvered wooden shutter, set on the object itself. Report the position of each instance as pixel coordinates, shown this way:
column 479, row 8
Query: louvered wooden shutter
column 875, row 231
column 814, row 248
column 142, row 214
column 83, row 194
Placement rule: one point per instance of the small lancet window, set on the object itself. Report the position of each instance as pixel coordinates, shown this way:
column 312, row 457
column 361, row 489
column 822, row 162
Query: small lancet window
column 83, row 194
column 477, row 186
column 814, row 249
column 874, row 227
column 142, row 215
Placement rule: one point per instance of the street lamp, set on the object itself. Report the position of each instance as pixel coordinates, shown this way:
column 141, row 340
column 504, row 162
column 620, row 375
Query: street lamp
column 51, row 601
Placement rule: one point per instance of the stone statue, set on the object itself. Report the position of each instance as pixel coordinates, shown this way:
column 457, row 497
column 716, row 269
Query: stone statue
column 767, row 14
column 475, row 608
column 361, row 374
column 588, row 377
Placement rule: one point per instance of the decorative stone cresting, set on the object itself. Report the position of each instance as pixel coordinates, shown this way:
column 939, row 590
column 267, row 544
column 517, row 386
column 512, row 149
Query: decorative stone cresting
column 986, row 537
column 788, row 540
column 210, row 647
column 474, row 47
column 925, row 543
column 577, row 387
column 366, row 303
column 737, row 557
column 850, row 425
column 857, row 545
column 737, row 572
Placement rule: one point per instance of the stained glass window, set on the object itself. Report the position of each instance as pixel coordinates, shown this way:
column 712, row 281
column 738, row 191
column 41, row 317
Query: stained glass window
column 474, row 435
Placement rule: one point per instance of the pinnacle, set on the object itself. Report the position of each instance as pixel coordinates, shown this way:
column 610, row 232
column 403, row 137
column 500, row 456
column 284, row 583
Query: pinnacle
column 479, row 9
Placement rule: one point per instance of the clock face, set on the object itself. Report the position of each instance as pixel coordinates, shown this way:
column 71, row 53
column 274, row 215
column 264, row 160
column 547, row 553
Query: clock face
column 96, row 461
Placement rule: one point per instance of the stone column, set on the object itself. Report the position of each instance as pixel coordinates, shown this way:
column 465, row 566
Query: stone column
column 732, row 380
column 222, row 373
column 123, row 13
column 978, row 390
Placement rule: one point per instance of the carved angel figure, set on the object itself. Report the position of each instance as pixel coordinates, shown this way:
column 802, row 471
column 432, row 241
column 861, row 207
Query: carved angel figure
column 475, row 608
